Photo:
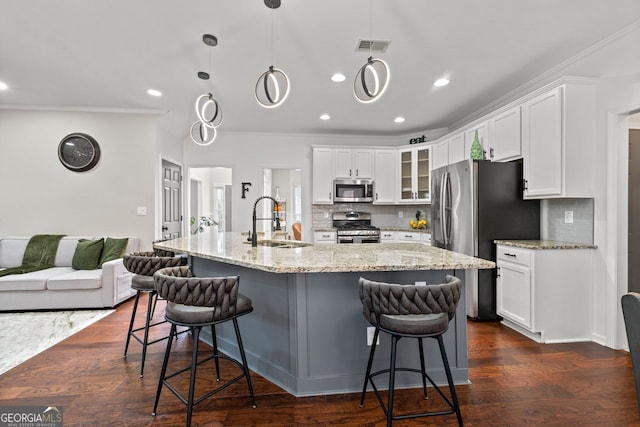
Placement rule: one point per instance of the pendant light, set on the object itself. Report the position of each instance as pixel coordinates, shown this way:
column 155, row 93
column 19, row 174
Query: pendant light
column 373, row 77
column 208, row 110
column 272, row 87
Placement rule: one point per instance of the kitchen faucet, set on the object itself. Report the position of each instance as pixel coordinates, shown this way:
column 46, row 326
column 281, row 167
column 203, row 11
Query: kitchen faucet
column 254, row 238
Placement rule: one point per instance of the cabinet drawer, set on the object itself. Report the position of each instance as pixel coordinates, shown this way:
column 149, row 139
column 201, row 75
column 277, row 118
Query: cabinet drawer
column 387, row 236
column 324, row 236
column 408, row 236
column 515, row 255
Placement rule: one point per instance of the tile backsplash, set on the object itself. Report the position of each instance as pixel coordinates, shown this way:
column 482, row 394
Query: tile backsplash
column 554, row 227
column 384, row 216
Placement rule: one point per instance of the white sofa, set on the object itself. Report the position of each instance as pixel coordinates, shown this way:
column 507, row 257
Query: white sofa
column 61, row 287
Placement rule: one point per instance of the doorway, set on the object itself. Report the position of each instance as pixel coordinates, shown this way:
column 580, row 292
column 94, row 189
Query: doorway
column 210, row 205
column 171, row 200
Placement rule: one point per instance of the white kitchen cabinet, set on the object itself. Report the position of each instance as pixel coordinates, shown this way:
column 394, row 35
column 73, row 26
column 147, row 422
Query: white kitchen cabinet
column 387, row 236
column 457, row 151
column 408, row 237
column 504, row 139
column 415, row 175
column 545, row 293
column 323, row 237
column 354, row 163
column 385, row 176
column 469, row 136
column 440, row 154
column 426, row 238
column 558, row 142
column 323, row 161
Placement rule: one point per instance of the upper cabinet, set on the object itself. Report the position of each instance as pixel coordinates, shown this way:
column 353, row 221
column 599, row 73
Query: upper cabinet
column 440, row 155
column 504, row 141
column 354, row 163
column 558, row 142
column 323, row 160
column 469, row 136
column 457, row 150
column 414, row 175
column 385, row 176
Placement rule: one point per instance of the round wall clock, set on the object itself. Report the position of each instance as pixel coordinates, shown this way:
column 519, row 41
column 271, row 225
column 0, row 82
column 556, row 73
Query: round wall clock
column 79, row 152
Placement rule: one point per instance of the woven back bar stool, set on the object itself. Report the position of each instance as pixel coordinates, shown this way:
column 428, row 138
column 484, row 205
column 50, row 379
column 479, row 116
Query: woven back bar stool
column 197, row 302
column 143, row 265
column 410, row 311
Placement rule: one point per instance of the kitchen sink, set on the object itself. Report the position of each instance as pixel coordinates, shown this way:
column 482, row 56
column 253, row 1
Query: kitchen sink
column 281, row 243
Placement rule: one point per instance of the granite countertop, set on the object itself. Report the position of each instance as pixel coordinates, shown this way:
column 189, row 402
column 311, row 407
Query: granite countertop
column 544, row 244
column 232, row 248
column 417, row 230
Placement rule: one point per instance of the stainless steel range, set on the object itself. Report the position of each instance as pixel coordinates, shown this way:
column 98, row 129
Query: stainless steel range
column 355, row 227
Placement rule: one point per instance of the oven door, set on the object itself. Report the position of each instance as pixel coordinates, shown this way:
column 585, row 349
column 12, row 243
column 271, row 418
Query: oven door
column 358, row 239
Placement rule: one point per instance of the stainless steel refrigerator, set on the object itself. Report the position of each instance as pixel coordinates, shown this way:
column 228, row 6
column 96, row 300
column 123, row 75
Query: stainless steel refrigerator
column 474, row 202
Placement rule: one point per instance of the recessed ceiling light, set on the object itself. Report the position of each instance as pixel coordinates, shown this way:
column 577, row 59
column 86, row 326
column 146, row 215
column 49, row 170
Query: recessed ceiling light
column 3, row 86
column 399, row 119
column 325, row 117
column 338, row 77
column 154, row 92
column 441, row 82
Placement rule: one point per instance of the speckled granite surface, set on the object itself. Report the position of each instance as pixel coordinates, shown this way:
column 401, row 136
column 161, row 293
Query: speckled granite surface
column 543, row 244
column 232, row 248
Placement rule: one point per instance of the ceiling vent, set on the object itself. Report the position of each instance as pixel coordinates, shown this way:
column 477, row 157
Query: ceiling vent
column 379, row 46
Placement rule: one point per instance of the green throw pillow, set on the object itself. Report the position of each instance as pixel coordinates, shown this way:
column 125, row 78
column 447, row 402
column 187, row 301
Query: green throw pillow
column 87, row 254
column 113, row 249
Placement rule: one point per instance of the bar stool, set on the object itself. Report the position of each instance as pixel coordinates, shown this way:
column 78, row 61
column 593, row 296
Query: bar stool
column 143, row 265
column 412, row 311
column 196, row 302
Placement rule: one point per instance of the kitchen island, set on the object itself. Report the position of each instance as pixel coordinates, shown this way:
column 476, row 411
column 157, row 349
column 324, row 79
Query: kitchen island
column 307, row 333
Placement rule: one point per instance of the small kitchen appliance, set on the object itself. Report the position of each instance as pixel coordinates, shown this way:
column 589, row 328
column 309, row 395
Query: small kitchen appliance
column 353, row 190
column 355, row 227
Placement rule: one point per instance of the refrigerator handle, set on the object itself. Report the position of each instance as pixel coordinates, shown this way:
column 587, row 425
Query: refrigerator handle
column 443, row 207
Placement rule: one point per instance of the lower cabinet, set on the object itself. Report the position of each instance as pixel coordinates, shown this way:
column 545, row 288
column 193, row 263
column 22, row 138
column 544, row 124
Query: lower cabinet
column 545, row 293
column 408, row 236
column 325, row 237
column 387, row 236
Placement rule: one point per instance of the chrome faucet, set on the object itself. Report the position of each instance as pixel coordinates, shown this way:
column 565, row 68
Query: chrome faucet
column 254, row 238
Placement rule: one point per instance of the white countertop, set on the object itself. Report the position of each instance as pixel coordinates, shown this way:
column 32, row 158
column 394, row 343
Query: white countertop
column 232, row 248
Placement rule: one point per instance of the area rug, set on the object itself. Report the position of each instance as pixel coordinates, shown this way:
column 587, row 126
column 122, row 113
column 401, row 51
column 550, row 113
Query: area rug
column 23, row 335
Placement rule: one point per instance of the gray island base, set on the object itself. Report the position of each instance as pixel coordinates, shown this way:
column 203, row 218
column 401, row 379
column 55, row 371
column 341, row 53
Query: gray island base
column 307, row 333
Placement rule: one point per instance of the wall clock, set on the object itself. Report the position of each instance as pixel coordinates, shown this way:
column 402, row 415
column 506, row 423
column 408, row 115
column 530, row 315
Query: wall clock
column 79, row 152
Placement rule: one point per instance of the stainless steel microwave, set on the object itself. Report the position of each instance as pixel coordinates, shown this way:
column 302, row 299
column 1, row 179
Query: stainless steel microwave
column 353, row 190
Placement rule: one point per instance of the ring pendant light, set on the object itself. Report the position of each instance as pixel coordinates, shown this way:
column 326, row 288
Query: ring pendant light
column 372, row 79
column 272, row 87
column 208, row 110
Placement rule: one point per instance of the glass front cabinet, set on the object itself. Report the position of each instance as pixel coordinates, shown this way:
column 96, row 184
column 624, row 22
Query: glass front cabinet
column 414, row 175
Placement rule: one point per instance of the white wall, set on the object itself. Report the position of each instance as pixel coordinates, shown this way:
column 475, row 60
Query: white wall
column 39, row 195
column 248, row 153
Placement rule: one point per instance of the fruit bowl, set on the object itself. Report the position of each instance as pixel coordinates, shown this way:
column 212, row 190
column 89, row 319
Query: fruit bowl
column 418, row 224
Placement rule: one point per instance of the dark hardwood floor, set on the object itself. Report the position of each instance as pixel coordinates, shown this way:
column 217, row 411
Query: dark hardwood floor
column 514, row 382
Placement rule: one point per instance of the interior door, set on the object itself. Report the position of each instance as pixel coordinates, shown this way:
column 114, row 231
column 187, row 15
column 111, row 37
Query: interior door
column 171, row 200
column 634, row 210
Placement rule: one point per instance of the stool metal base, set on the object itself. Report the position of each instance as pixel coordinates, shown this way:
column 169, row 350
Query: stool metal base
column 388, row 409
column 190, row 400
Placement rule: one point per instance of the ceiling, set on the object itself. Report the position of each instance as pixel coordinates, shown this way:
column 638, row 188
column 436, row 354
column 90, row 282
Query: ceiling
column 105, row 54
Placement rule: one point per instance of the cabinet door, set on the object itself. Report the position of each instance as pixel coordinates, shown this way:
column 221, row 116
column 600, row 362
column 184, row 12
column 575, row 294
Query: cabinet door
column 384, row 177
column 343, row 164
column 423, row 172
column 513, row 292
column 504, row 136
column 362, row 163
column 440, row 155
column 323, row 175
column 456, row 149
column 407, row 174
column 324, row 237
column 483, row 137
column 542, row 145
